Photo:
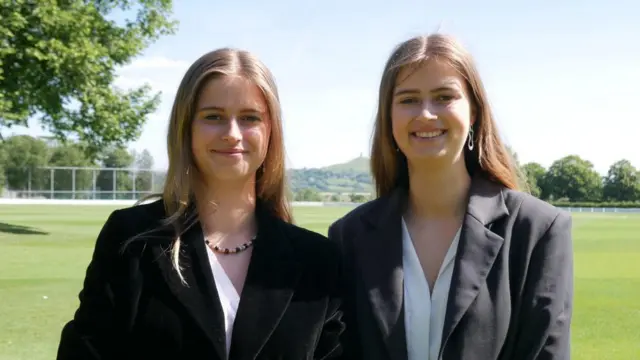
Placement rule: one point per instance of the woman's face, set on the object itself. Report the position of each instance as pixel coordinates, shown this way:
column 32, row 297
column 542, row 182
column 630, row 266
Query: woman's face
column 231, row 129
column 431, row 113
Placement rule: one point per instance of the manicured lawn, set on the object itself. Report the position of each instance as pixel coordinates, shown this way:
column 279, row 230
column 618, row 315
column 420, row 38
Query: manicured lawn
column 44, row 251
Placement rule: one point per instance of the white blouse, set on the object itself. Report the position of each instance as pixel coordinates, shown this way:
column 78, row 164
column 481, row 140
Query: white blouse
column 424, row 312
column 229, row 297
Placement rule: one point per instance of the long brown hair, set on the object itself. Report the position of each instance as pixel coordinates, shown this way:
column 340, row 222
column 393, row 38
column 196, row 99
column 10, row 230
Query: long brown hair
column 489, row 155
column 181, row 176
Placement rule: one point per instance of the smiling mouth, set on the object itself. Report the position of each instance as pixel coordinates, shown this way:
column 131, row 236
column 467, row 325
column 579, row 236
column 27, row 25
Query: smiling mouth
column 428, row 134
column 223, row 152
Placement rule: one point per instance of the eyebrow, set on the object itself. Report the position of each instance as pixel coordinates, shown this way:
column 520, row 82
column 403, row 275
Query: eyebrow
column 243, row 110
column 451, row 87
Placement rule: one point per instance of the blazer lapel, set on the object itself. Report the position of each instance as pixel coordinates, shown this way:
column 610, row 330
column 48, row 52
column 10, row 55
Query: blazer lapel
column 477, row 251
column 271, row 279
column 199, row 296
column 379, row 254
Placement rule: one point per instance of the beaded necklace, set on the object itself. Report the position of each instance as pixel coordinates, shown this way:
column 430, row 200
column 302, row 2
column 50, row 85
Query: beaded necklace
column 234, row 250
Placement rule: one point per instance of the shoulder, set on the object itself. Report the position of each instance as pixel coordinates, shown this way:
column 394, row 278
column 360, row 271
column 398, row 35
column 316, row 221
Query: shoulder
column 534, row 212
column 353, row 218
column 146, row 212
column 139, row 216
column 310, row 242
column 320, row 257
column 538, row 225
column 124, row 224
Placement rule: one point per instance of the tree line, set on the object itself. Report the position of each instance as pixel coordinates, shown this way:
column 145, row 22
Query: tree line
column 570, row 179
column 573, row 180
column 24, row 163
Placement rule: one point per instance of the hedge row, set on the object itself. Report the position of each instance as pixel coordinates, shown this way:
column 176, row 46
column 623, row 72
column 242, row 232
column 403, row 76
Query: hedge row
column 622, row 205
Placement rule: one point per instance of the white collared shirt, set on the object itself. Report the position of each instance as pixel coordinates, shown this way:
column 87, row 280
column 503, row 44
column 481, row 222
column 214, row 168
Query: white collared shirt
column 229, row 297
column 424, row 312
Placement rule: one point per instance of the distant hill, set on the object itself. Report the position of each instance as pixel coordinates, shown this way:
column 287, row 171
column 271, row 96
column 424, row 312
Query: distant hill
column 347, row 178
column 359, row 164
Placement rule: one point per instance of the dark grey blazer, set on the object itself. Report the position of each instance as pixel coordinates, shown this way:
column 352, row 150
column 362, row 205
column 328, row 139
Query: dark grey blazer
column 512, row 288
column 132, row 305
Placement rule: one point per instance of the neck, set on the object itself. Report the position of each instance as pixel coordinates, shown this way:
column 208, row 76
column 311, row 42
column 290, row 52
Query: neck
column 438, row 193
column 227, row 207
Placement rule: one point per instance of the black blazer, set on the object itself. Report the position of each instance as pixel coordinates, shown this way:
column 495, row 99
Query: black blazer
column 133, row 306
column 512, row 287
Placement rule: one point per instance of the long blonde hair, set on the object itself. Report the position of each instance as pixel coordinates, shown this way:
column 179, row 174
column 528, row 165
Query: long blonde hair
column 181, row 175
column 489, row 156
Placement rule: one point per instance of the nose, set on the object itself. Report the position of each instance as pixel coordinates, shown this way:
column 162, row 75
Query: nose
column 232, row 133
column 427, row 111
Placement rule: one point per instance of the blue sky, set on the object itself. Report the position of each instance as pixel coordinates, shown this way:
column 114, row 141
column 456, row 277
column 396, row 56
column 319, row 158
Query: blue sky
column 563, row 79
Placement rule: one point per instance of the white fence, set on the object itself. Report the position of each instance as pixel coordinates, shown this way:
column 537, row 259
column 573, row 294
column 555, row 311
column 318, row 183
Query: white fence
column 24, row 201
column 601, row 210
column 86, row 183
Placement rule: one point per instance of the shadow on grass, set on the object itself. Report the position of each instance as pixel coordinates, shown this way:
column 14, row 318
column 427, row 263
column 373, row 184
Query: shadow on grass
column 20, row 230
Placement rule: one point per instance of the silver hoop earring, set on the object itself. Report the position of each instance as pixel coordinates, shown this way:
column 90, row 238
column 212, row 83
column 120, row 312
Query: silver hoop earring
column 470, row 142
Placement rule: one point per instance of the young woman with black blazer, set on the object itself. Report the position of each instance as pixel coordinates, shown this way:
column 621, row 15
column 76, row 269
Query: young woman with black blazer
column 214, row 269
column 451, row 261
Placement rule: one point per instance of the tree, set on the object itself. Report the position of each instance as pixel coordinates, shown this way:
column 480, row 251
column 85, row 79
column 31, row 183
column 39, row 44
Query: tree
column 534, row 174
column 572, row 178
column 357, row 198
column 3, row 160
column 622, row 182
column 308, row 194
column 144, row 160
column 23, row 155
column 58, row 61
column 144, row 176
column 70, row 155
column 514, row 156
column 115, row 158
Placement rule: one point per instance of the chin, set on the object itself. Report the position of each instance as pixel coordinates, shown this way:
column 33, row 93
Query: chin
column 427, row 155
column 233, row 173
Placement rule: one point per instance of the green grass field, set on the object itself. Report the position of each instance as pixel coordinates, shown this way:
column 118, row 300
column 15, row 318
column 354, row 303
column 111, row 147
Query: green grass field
column 44, row 251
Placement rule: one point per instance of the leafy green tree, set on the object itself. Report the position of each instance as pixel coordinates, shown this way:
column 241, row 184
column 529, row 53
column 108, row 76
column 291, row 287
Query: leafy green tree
column 358, row 198
column 145, row 176
column 622, row 182
column 308, row 194
column 58, row 62
column 23, row 155
column 116, row 158
column 514, row 156
column 3, row 160
column 534, row 174
column 572, row 178
column 70, row 155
